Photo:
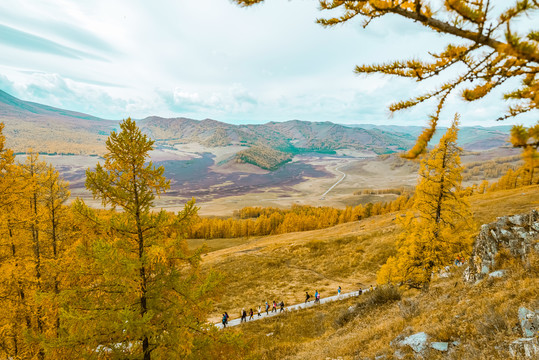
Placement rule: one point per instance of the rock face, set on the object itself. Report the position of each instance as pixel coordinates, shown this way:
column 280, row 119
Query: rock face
column 518, row 233
column 529, row 322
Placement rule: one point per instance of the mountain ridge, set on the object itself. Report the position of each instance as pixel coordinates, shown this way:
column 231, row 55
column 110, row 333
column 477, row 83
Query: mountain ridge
column 53, row 130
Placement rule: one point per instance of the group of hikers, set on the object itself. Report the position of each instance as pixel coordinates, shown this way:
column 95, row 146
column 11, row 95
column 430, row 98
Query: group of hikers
column 274, row 305
column 316, row 296
column 243, row 312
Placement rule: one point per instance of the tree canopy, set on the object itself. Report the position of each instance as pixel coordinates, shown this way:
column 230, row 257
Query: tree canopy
column 439, row 227
column 485, row 52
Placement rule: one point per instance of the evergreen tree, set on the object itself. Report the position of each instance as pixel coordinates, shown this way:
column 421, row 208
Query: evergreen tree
column 528, row 140
column 141, row 292
column 439, row 227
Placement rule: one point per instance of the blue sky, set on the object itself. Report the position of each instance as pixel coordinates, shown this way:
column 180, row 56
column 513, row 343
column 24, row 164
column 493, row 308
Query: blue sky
column 212, row 59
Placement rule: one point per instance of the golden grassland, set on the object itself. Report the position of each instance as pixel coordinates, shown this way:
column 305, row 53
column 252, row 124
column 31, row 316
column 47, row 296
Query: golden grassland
column 482, row 318
column 283, row 267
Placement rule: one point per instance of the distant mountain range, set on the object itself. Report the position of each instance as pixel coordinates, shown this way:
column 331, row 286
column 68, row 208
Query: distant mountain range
column 52, row 130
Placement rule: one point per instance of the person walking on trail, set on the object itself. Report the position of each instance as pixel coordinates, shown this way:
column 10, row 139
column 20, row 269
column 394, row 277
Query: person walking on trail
column 371, row 288
column 251, row 314
column 360, row 291
column 243, row 315
column 282, row 306
column 267, row 308
column 274, row 308
column 339, row 291
column 227, row 317
column 316, row 296
column 224, row 321
column 307, row 297
column 259, row 308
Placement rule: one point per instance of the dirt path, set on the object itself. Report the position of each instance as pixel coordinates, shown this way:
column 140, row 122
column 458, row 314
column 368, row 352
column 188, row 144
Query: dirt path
column 311, row 303
column 337, row 183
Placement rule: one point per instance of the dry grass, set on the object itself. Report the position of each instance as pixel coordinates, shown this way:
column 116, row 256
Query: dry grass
column 285, row 266
column 450, row 311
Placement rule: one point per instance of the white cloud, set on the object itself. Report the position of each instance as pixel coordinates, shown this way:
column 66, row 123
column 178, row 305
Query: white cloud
column 214, row 59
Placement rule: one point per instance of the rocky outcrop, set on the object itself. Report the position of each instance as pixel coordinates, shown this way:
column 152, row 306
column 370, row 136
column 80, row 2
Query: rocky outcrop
column 519, row 234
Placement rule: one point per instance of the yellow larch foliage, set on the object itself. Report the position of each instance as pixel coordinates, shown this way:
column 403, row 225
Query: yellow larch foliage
column 439, row 227
column 483, row 51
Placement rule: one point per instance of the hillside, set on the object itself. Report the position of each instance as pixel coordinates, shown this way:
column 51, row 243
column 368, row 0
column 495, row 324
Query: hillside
column 283, row 267
column 470, row 137
column 51, row 130
column 290, row 136
column 263, row 157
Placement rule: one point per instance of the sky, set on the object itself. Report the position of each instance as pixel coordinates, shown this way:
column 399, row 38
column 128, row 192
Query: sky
column 212, row 59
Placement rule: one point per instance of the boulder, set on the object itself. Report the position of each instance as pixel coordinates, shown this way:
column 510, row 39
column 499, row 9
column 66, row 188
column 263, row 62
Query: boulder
column 498, row 274
column 529, row 322
column 418, row 341
column 518, row 234
column 440, row 346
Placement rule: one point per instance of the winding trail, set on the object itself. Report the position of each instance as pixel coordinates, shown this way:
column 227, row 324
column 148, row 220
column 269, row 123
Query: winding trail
column 311, row 303
column 337, row 183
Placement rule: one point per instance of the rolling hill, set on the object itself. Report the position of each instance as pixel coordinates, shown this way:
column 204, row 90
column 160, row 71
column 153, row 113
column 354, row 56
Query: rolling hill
column 48, row 129
column 51, row 130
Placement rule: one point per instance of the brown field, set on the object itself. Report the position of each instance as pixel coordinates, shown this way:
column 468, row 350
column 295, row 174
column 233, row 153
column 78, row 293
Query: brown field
column 221, row 187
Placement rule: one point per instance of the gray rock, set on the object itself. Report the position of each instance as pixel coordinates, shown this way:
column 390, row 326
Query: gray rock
column 440, row 346
column 517, row 234
column 498, row 274
column 455, row 343
column 529, row 322
column 505, row 233
column 516, row 219
column 524, row 348
column 418, row 341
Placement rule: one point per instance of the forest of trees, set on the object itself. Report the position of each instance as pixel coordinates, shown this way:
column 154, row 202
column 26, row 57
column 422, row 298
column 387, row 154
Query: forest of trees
column 82, row 283
column 263, row 157
column 258, row 221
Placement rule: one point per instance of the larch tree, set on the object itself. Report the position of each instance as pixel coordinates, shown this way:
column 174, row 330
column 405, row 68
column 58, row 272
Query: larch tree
column 485, row 51
column 528, row 140
column 29, row 259
column 142, row 295
column 439, row 227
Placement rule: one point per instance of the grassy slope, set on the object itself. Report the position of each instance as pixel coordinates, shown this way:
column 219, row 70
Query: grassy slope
column 285, row 266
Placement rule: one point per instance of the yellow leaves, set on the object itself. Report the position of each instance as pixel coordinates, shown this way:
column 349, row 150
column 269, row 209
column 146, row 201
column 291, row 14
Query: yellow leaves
column 466, row 11
column 443, row 226
column 478, row 92
column 157, row 254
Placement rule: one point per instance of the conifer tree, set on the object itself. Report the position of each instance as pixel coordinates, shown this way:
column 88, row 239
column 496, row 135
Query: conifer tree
column 143, row 296
column 528, row 140
column 439, row 227
column 490, row 51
